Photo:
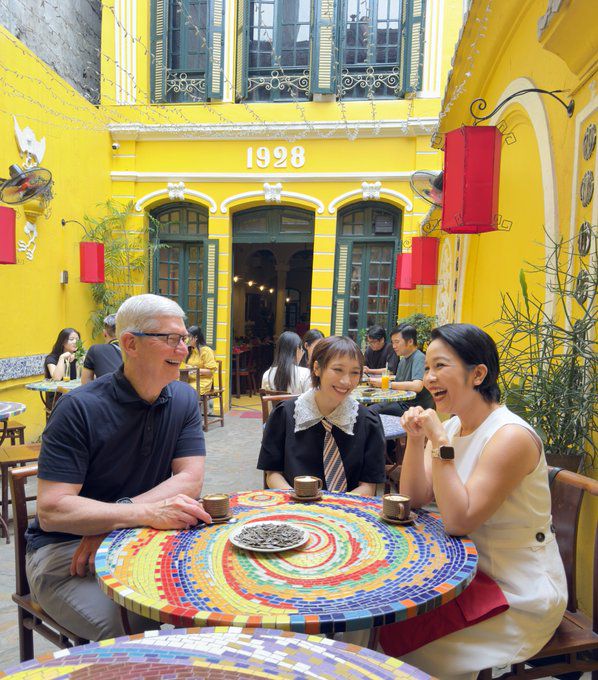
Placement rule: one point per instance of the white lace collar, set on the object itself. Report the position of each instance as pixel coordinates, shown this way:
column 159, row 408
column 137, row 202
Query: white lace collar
column 307, row 413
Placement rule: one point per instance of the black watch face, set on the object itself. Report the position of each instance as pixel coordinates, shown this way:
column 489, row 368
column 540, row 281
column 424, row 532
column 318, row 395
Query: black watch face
column 447, row 452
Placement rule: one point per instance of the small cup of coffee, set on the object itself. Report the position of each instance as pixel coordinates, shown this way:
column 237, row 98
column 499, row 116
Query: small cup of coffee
column 217, row 505
column 307, row 486
column 395, row 506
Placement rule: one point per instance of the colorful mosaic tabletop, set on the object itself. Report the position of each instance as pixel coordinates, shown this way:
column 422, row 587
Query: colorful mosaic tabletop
column 53, row 385
column 10, row 408
column 354, row 572
column 391, row 426
column 217, row 654
column 376, row 395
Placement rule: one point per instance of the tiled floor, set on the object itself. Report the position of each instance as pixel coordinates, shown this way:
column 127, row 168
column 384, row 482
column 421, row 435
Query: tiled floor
column 230, row 467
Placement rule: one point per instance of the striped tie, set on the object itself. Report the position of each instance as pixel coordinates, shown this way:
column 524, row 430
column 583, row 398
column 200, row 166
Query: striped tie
column 334, row 472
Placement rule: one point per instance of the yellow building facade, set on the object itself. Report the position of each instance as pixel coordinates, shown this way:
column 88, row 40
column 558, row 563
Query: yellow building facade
column 548, row 164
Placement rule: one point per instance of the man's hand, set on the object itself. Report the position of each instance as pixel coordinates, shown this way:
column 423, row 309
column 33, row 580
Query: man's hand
column 84, row 557
column 177, row 512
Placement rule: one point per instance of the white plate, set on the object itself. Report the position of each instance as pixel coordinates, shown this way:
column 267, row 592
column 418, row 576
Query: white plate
column 235, row 540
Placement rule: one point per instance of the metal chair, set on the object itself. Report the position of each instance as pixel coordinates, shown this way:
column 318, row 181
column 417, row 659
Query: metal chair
column 213, row 393
column 574, row 646
column 31, row 617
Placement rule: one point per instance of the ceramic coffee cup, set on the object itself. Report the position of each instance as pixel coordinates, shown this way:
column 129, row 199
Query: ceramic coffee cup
column 306, row 486
column 217, row 505
column 396, row 506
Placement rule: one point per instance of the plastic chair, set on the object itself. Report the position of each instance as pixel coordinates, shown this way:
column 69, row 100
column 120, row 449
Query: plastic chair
column 574, row 646
column 31, row 617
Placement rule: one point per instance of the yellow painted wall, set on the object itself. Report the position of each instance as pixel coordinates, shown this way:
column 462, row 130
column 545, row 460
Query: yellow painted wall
column 35, row 306
column 542, row 170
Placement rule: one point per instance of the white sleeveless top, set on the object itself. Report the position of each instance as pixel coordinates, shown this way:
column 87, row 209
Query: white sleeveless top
column 510, row 542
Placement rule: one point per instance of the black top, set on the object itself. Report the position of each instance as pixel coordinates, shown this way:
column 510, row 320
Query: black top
column 105, row 437
column 300, row 453
column 102, row 359
column 54, row 359
column 380, row 357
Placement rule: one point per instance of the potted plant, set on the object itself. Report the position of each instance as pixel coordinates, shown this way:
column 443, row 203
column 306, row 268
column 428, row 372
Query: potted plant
column 548, row 359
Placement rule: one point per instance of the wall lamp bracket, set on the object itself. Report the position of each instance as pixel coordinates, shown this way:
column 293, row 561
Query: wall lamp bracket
column 65, row 222
column 480, row 104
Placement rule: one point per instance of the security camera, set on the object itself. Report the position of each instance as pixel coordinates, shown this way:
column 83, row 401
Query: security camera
column 115, row 145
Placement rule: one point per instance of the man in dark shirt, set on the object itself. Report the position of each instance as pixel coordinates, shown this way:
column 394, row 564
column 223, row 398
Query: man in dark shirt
column 379, row 354
column 410, row 373
column 127, row 450
column 105, row 358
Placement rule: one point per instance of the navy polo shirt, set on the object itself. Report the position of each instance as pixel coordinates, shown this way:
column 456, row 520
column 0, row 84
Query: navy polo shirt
column 106, row 438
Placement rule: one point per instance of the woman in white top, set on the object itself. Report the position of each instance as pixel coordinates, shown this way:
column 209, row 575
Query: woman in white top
column 285, row 375
column 495, row 490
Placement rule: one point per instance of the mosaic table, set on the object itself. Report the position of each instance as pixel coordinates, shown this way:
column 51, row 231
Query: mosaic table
column 376, row 395
column 7, row 410
column 218, row 654
column 392, row 426
column 49, row 388
column 354, row 572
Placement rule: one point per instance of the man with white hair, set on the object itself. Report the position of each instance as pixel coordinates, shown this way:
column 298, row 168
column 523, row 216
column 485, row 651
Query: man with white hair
column 126, row 450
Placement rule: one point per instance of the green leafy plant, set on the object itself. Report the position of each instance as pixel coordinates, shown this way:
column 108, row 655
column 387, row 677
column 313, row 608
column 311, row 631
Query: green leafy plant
column 423, row 325
column 547, row 353
column 80, row 351
column 127, row 254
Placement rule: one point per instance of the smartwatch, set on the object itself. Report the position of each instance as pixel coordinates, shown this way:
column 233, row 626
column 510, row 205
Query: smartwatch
column 124, row 499
column 444, row 453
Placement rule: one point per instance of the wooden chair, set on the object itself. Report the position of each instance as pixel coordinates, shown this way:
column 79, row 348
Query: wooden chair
column 244, row 367
column 31, row 617
column 12, row 456
column 214, row 393
column 15, row 431
column 574, row 646
column 269, row 399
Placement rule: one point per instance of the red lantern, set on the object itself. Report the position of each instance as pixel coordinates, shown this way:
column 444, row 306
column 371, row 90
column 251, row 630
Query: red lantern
column 471, row 177
column 424, row 251
column 91, row 256
column 8, row 252
column 403, row 273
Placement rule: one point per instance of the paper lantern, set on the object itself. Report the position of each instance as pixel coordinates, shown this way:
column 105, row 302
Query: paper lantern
column 471, row 178
column 403, row 272
column 424, row 250
column 8, row 252
column 91, row 256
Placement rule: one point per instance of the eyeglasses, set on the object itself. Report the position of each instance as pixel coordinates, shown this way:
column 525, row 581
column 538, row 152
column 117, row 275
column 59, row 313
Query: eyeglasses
column 171, row 339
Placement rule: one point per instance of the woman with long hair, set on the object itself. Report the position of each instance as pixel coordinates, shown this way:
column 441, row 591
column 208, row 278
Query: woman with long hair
column 301, row 433
column 285, row 374
column 62, row 355
column 486, row 470
column 309, row 341
column 201, row 356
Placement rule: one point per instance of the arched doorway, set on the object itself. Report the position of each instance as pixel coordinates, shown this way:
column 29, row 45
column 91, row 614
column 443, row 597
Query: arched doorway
column 368, row 241
column 272, row 254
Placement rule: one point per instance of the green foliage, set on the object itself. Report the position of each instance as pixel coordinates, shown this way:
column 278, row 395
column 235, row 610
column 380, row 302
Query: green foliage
column 80, row 351
column 549, row 367
column 423, row 325
column 126, row 256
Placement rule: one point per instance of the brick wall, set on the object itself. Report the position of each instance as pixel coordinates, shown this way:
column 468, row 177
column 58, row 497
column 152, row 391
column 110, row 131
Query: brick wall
column 65, row 34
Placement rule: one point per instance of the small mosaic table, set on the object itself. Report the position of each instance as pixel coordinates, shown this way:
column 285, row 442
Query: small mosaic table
column 376, row 395
column 7, row 410
column 218, row 654
column 355, row 571
column 49, row 388
column 392, row 426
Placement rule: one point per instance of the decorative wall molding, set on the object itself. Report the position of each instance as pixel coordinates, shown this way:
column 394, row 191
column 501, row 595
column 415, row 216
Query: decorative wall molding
column 14, row 368
column 31, row 150
column 272, row 193
column 371, row 191
column 176, row 191
column 411, row 127
column 248, row 177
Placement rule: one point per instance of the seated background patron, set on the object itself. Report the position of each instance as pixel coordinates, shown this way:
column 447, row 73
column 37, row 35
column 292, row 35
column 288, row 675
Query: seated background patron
column 104, row 358
column 61, row 359
column 379, row 354
column 285, row 374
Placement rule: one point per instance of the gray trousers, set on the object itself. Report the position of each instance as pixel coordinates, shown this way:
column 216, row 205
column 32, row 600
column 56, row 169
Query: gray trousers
column 76, row 602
